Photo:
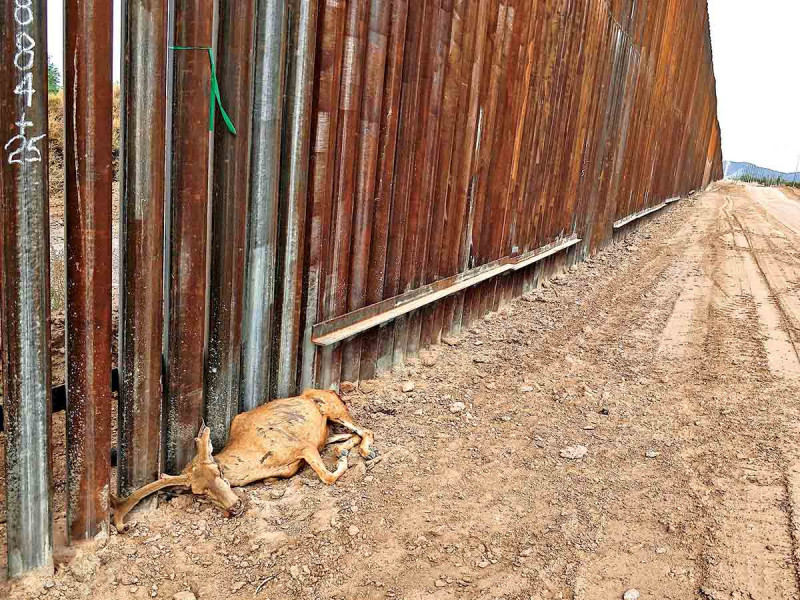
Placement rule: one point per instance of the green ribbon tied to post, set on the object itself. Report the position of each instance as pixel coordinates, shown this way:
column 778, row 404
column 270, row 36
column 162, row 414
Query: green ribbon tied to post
column 216, row 98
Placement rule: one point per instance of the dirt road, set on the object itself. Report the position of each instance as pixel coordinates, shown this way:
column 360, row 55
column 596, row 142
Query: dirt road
column 672, row 357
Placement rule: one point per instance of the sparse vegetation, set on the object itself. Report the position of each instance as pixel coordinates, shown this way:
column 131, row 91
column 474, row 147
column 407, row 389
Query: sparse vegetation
column 769, row 181
column 750, row 173
column 53, row 77
column 55, row 139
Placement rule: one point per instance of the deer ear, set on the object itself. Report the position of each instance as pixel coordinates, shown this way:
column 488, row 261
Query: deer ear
column 203, row 444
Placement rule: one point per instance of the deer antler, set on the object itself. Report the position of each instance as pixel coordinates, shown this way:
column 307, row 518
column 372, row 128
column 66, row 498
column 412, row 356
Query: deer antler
column 123, row 507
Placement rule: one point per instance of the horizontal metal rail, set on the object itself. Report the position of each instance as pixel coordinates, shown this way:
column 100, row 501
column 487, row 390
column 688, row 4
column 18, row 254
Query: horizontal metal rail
column 672, row 200
column 638, row 215
column 341, row 328
column 526, row 260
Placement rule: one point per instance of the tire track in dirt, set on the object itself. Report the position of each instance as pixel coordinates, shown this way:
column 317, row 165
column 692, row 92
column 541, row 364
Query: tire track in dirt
column 751, row 539
column 675, row 567
column 778, row 264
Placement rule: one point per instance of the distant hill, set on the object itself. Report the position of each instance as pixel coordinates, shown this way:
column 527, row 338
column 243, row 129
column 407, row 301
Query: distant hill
column 736, row 170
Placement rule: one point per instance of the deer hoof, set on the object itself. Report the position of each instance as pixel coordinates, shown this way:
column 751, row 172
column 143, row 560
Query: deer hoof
column 373, row 454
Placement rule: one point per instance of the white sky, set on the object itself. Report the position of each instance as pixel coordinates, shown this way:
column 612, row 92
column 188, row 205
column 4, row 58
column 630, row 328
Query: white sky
column 55, row 34
column 757, row 62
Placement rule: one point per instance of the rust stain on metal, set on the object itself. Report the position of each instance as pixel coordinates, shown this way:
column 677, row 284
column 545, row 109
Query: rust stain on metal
column 87, row 109
column 25, row 285
column 141, row 243
column 189, row 197
column 229, row 205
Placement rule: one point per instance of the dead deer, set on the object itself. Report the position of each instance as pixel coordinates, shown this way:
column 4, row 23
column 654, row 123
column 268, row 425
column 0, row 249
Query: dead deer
column 271, row 441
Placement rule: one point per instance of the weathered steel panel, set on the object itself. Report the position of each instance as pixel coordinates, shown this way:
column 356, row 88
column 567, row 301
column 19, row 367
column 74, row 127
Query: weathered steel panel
column 520, row 123
column 189, row 201
column 87, row 163
column 229, row 204
column 262, row 217
column 141, row 242
column 296, row 145
column 25, row 309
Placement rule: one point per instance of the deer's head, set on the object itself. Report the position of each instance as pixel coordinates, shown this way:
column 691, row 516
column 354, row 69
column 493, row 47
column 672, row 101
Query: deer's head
column 202, row 477
column 205, row 477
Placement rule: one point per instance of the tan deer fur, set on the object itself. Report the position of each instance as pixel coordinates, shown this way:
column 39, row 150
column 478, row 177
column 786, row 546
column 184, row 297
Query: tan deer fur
column 271, row 441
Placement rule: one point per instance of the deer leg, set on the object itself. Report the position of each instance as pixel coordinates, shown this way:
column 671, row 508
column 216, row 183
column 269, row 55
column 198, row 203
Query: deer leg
column 339, row 437
column 311, row 456
column 351, row 442
column 367, row 437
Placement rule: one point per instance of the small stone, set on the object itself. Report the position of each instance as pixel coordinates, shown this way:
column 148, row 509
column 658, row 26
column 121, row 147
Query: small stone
column 277, row 493
column 588, row 330
column 440, row 583
column 525, row 389
column 353, row 530
column 457, row 407
column 428, row 359
column 631, row 594
column 574, row 452
column 483, row 564
column 480, row 360
column 652, row 454
column 450, row 341
column 49, row 584
column 184, row 596
column 367, row 387
column 294, row 570
column 408, row 386
column 604, row 411
column 526, row 552
column 347, row 387
column 238, row 585
column 661, row 550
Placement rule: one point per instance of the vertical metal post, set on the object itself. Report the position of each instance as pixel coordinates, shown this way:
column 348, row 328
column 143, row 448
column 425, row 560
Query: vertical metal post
column 25, row 310
column 87, row 146
column 366, row 167
column 259, row 287
column 294, row 187
column 230, row 194
column 322, row 170
column 189, row 191
column 387, row 149
column 141, row 234
column 334, row 302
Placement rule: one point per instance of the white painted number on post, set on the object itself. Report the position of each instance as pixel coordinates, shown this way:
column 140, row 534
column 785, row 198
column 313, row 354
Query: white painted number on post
column 25, row 88
column 20, row 148
column 25, row 56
